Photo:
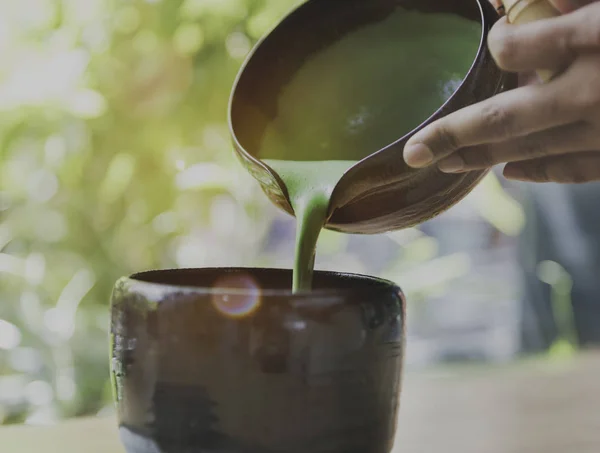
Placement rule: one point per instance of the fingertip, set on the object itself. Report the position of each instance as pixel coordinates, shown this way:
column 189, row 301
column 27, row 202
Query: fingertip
column 418, row 155
column 499, row 29
column 502, row 44
column 452, row 164
column 502, row 22
column 515, row 172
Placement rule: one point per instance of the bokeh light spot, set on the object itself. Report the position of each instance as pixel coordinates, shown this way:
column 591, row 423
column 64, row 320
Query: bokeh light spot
column 10, row 335
column 118, row 176
column 55, row 150
column 127, row 20
column 42, row 185
column 86, row 104
column 188, row 39
column 39, row 393
column 53, row 228
column 26, row 360
column 35, row 268
column 165, row 223
column 236, row 295
column 238, row 45
column 146, row 42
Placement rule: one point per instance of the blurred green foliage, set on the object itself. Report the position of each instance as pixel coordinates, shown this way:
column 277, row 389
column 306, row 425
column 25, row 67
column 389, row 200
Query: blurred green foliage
column 115, row 157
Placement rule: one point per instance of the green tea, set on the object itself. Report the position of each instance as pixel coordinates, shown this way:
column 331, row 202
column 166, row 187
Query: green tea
column 310, row 185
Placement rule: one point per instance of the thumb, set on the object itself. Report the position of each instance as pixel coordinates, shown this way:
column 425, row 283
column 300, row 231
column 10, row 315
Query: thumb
column 567, row 6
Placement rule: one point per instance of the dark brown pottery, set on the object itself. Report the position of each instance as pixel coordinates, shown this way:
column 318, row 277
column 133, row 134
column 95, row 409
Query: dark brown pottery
column 380, row 193
column 229, row 360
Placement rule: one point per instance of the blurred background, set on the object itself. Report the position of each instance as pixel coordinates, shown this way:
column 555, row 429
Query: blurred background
column 115, row 157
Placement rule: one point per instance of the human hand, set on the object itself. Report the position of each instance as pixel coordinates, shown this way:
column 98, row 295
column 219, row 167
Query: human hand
column 564, row 6
column 548, row 132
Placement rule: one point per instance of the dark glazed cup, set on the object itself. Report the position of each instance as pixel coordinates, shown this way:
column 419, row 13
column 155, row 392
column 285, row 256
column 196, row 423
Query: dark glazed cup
column 229, row 360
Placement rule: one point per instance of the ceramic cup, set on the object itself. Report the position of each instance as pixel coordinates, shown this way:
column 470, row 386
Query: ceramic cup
column 229, row 360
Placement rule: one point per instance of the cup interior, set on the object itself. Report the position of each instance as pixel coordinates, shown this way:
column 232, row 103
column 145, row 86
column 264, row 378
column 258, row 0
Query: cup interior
column 304, row 33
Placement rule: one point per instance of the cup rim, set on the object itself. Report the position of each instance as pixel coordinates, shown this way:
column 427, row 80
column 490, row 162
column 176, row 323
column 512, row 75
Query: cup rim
column 135, row 282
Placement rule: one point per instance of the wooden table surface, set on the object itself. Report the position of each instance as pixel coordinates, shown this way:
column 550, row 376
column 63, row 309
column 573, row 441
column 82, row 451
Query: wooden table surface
column 533, row 407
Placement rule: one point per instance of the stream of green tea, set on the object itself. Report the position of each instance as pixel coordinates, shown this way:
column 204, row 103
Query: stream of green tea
column 355, row 97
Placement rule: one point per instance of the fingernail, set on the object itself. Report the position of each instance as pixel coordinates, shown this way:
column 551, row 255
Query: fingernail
column 452, row 164
column 512, row 172
column 418, row 155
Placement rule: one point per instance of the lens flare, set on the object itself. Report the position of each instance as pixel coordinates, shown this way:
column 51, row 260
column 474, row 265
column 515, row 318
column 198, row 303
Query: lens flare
column 236, row 295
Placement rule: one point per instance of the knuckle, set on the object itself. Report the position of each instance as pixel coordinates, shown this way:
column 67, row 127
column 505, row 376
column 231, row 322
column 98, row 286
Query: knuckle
column 584, row 24
column 537, row 170
column 595, row 31
column 592, row 25
column 586, row 103
column 565, row 39
column 478, row 157
column 555, row 106
column 587, row 95
column 589, row 167
column 594, row 94
column 593, row 168
column 573, row 170
column 498, row 120
column 594, row 138
column 532, row 147
column 589, row 102
column 446, row 139
column 566, row 173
